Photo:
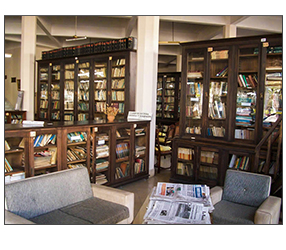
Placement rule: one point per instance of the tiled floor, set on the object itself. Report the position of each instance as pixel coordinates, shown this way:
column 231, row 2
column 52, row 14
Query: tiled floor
column 143, row 187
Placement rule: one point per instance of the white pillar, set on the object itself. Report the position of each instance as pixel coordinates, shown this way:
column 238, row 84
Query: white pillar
column 229, row 30
column 147, row 67
column 179, row 63
column 28, row 56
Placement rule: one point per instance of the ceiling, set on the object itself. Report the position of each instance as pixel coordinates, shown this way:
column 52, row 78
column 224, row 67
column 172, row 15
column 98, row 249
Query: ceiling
column 52, row 31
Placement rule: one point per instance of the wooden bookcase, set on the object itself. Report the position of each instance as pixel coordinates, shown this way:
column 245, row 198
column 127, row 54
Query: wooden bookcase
column 79, row 88
column 114, row 153
column 230, row 87
column 15, row 116
column 168, row 97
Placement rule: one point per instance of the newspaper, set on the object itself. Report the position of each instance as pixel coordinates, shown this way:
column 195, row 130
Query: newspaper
column 172, row 203
column 183, row 192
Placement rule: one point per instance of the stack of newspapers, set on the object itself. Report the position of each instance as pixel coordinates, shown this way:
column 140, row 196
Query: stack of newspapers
column 172, row 203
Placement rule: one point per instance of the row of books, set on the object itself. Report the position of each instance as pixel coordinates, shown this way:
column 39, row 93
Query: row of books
column 239, row 162
column 169, row 108
column 76, row 153
column 119, row 106
column 247, row 81
column 56, row 76
column 128, row 43
column 83, row 95
column 185, row 153
column 209, row 157
column 117, row 95
column 83, row 65
column 68, row 117
column 140, row 150
column 44, row 140
column 194, row 89
column 244, row 134
column 43, row 114
column 223, row 72
column 119, row 62
column 139, row 166
column 83, row 106
column 169, row 92
column 45, row 158
column 100, row 84
column 55, row 105
column 55, row 94
column 217, row 109
column 118, row 84
column 8, row 167
column 219, row 54
column 194, row 111
column 101, row 164
column 122, row 150
column 83, row 85
column 55, row 115
column 169, row 99
column 69, row 86
column 243, row 120
column 76, row 137
column 69, row 74
column 44, row 104
column 102, row 151
column 246, row 98
column 77, row 165
column 100, row 179
column 216, row 131
column 218, row 88
column 100, row 95
column 82, row 117
column 208, row 172
column 122, row 170
column 100, row 72
column 185, row 169
column 100, row 107
column 194, row 130
column 118, row 72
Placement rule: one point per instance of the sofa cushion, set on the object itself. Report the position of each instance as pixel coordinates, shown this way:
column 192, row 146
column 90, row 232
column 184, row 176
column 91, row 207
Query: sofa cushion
column 230, row 213
column 38, row 195
column 246, row 188
column 90, row 211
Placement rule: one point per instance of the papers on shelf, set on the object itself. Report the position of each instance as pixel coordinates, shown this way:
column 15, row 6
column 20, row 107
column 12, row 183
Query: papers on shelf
column 179, row 204
column 32, row 123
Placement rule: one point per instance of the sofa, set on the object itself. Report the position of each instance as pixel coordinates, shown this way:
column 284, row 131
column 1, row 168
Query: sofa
column 64, row 198
column 245, row 199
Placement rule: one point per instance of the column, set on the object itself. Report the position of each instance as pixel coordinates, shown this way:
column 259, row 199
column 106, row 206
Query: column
column 229, row 30
column 147, row 67
column 28, row 56
column 179, row 63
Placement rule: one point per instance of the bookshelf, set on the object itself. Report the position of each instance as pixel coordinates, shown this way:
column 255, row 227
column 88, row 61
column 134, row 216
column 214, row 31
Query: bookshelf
column 79, row 88
column 16, row 155
column 95, row 145
column 168, row 97
column 231, row 89
column 15, row 116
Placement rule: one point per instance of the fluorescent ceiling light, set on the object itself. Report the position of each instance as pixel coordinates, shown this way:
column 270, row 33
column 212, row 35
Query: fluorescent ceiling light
column 76, row 38
column 7, row 55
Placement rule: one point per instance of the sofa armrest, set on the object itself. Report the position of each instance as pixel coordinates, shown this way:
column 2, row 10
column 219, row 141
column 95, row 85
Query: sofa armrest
column 11, row 218
column 216, row 194
column 269, row 211
column 117, row 196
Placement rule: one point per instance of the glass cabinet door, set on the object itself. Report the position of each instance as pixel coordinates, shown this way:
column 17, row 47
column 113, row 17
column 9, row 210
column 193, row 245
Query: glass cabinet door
column 159, row 97
column 55, row 92
column 69, row 84
column 44, row 92
column 141, row 141
column 217, row 96
column 273, row 84
column 194, row 92
column 122, row 165
column 100, row 89
column 247, row 82
column 169, row 96
column 118, row 85
column 83, row 91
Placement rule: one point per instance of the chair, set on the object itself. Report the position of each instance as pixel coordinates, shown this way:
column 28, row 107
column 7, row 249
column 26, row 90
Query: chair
column 166, row 138
column 245, row 199
column 160, row 150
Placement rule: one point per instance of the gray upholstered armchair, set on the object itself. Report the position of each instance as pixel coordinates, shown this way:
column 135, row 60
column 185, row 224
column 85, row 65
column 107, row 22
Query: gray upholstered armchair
column 245, row 199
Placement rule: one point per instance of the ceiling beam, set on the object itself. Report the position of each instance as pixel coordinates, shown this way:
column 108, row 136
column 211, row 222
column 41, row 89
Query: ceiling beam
column 47, row 29
column 130, row 26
